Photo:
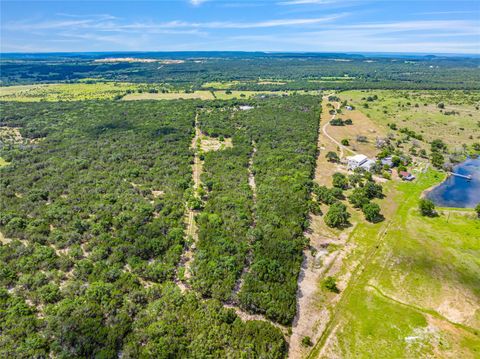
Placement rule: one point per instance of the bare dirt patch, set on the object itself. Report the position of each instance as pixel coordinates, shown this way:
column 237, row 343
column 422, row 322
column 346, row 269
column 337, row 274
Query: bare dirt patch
column 213, row 143
column 10, row 135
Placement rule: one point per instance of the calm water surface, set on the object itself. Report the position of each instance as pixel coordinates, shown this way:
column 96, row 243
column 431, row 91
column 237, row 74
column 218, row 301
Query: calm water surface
column 459, row 192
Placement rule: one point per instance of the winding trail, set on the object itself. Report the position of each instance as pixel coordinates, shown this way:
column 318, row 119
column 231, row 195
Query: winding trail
column 191, row 235
column 244, row 316
column 324, row 130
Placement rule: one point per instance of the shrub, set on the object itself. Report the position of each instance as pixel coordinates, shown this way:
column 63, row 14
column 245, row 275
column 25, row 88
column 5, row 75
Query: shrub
column 332, row 156
column 437, row 159
column 427, row 208
column 345, row 142
column 339, row 180
column 325, row 195
column 337, row 122
column 371, row 212
column 307, row 342
column 337, row 215
column 358, row 198
column 330, row 284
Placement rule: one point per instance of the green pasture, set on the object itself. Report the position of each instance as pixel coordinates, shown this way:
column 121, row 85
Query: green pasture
column 415, row 287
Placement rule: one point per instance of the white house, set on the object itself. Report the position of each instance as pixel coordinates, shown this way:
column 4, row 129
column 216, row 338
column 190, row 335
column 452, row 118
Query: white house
column 367, row 165
column 356, row 161
column 361, row 161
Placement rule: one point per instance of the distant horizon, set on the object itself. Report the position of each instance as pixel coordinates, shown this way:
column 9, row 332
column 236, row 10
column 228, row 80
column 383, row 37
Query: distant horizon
column 337, row 26
column 372, row 53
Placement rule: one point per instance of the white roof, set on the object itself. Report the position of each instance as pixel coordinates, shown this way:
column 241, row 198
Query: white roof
column 357, row 158
column 367, row 164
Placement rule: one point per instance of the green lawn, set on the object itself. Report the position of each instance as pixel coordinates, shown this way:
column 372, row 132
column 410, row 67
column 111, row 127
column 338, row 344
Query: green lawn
column 416, row 290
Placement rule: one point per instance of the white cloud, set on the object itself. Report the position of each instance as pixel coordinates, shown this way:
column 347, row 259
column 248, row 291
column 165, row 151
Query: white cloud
column 416, row 25
column 197, row 2
column 102, row 25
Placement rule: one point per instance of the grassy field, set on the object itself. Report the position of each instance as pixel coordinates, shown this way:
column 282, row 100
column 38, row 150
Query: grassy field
column 126, row 91
column 220, row 85
column 415, row 286
column 419, row 111
column 65, row 92
column 201, row 95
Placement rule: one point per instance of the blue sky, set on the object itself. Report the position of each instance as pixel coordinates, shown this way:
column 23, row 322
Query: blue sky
column 425, row 26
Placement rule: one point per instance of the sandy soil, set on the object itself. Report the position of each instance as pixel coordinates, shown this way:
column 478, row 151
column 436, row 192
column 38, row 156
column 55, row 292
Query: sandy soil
column 191, row 234
column 363, row 126
column 319, row 260
column 10, row 135
column 214, row 144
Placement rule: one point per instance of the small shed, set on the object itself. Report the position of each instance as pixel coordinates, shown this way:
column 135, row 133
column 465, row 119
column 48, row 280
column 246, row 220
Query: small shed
column 406, row 176
column 387, row 161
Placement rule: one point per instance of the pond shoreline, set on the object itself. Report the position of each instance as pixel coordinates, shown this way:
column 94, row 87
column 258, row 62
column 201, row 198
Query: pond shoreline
column 457, row 191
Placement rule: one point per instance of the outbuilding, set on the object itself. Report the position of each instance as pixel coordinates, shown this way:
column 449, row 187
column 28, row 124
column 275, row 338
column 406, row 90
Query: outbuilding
column 387, row 161
column 406, row 176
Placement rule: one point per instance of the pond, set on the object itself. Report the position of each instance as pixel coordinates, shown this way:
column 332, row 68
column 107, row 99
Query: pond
column 459, row 192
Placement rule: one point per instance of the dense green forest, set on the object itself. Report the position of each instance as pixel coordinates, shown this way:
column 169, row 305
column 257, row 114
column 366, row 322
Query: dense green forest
column 299, row 71
column 285, row 132
column 224, row 224
column 92, row 208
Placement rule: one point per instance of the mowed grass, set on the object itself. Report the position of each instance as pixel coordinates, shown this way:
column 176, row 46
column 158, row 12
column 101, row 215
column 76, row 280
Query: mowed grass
column 419, row 111
column 415, row 289
column 65, row 92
